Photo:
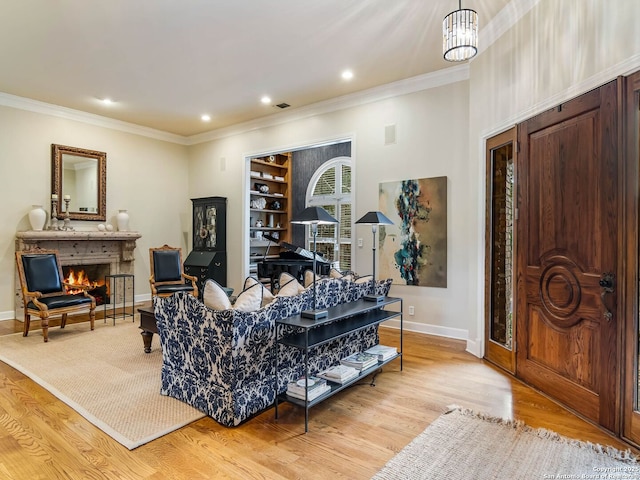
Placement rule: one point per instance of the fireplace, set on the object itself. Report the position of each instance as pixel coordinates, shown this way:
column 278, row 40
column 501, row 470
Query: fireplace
column 91, row 276
column 108, row 252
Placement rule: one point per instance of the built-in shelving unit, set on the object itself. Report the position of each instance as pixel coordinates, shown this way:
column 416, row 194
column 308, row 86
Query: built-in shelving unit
column 269, row 206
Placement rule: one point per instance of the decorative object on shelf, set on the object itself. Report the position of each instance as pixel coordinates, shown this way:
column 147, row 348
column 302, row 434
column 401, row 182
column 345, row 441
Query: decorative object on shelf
column 272, row 159
column 67, row 217
column 259, row 223
column 261, row 187
column 271, row 221
column 101, row 227
column 275, row 205
column 460, row 34
column 314, row 216
column 109, row 227
column 258, row 203
column 122, row 220
column 37, row 217
column 53, row 225
column 374, row 219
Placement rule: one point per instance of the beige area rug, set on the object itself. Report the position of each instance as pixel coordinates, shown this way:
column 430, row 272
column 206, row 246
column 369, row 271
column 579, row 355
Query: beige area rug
column 104, row 375
column 464, row 445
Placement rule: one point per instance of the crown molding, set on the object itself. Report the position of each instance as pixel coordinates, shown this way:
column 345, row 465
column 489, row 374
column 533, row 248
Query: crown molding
column 418, row 83
column 37, row 106
column 501, row 23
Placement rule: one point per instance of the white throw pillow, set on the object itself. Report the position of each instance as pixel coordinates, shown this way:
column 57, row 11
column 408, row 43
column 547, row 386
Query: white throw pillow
column 289, row 286
column 249, row 300
column 334, row 273
column 214, row 296
column 308, row 278
column 267, row 296
column 365, row 279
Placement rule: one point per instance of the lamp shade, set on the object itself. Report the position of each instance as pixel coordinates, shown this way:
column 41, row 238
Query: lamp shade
column 375, row 218
column 460, row 34
column 311, row 215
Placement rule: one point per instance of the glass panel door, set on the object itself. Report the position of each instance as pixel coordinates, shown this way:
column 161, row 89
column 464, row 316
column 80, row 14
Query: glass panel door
column 500, row 250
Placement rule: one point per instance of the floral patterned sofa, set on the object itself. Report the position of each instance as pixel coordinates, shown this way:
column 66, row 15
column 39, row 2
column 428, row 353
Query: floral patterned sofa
column 222, row 362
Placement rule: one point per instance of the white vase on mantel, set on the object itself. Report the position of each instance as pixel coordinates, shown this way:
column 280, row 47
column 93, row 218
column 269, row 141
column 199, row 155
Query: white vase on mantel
column 122, row 219
column 37, row 217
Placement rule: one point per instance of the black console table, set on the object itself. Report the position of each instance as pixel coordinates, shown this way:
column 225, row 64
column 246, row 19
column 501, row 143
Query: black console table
column 342, row 320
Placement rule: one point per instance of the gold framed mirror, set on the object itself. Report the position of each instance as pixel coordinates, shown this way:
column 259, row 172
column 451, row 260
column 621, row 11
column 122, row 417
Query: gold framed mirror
column 80, row 175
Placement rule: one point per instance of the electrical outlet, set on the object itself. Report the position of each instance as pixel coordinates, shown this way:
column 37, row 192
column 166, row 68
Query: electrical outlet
column 412, row 310
column 360, row 242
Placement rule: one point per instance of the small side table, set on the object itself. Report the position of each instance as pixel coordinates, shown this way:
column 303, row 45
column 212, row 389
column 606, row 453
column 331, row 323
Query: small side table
column 112, row 282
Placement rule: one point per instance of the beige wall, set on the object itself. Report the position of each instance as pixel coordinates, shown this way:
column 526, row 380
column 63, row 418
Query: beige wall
column 431, row 141
column 146, row 176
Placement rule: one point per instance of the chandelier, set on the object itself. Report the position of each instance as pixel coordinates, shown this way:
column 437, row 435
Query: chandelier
column 460, row 34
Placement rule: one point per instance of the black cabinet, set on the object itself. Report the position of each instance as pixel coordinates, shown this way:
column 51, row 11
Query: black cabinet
column 208, row 258
column 210, row 224
column 204, row 265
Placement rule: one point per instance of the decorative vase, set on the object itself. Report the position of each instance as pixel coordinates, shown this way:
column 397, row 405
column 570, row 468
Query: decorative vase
column 122, row 219
column 37, row 217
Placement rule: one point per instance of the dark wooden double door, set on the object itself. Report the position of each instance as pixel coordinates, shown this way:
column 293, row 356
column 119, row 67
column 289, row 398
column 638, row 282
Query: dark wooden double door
column 567, row 263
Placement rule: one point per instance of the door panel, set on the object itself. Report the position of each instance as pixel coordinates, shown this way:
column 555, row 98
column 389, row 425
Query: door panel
column 631, row 407
column 568, row 241
column 500, row 244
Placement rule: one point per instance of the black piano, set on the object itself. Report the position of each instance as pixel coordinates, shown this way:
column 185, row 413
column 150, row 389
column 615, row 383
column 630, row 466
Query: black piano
column 293, row 260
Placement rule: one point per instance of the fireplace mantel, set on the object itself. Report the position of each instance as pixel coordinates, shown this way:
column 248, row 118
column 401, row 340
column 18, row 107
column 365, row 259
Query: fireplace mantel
column 78, row 244
column 80, row 248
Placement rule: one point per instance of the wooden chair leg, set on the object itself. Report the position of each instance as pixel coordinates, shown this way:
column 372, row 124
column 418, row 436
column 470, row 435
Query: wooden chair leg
column 27, row 323
column 92, row 317
column 44, row 322
column 63, row 321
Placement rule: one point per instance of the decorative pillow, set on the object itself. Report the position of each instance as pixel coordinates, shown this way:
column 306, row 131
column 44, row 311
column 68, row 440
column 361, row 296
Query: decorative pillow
column 335, row 273
column 365, row 279
column 267, row 296
column 214, row 296
column 308, row 278
column 249, row 300
column 289, row 286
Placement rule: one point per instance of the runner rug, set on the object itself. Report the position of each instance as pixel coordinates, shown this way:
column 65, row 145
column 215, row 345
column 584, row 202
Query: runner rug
column 104, row 375
column 462, row 444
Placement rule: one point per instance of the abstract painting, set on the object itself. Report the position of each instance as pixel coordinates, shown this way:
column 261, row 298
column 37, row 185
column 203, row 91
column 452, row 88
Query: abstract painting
column 413, row 251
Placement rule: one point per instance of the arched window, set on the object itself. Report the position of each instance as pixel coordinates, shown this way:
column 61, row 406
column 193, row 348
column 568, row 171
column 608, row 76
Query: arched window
column 330, row 188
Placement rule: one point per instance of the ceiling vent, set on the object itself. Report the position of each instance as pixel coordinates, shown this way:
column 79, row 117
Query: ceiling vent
column 283, row 105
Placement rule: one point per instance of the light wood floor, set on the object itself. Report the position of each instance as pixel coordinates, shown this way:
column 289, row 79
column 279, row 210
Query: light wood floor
column 351, row 435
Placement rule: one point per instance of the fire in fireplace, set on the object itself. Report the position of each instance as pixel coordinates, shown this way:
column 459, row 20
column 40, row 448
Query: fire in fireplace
column 91, row 276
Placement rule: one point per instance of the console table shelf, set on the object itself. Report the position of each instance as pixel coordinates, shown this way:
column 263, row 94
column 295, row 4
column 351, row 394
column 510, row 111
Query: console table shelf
column 342, row 320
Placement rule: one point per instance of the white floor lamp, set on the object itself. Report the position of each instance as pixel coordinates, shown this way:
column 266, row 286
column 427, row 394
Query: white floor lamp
column 374, row 219
column 314, row 216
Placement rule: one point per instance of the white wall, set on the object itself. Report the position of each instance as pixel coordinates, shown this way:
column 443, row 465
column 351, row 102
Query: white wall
column 431, row 141
column 146, row 176
column 557, row 51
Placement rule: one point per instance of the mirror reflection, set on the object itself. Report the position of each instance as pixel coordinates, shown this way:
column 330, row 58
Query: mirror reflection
column 79, row 175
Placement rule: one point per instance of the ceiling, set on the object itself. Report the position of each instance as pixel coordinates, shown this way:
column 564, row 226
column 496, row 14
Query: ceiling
column 164, row 63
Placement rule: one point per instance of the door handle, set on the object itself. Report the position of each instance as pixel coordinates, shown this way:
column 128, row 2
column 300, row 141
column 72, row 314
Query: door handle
column 607, row 285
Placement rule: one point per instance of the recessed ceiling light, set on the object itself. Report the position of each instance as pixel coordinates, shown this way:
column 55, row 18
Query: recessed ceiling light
column 266, row 100
column 347, row 75
column 205, row 117
column 107, row 101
